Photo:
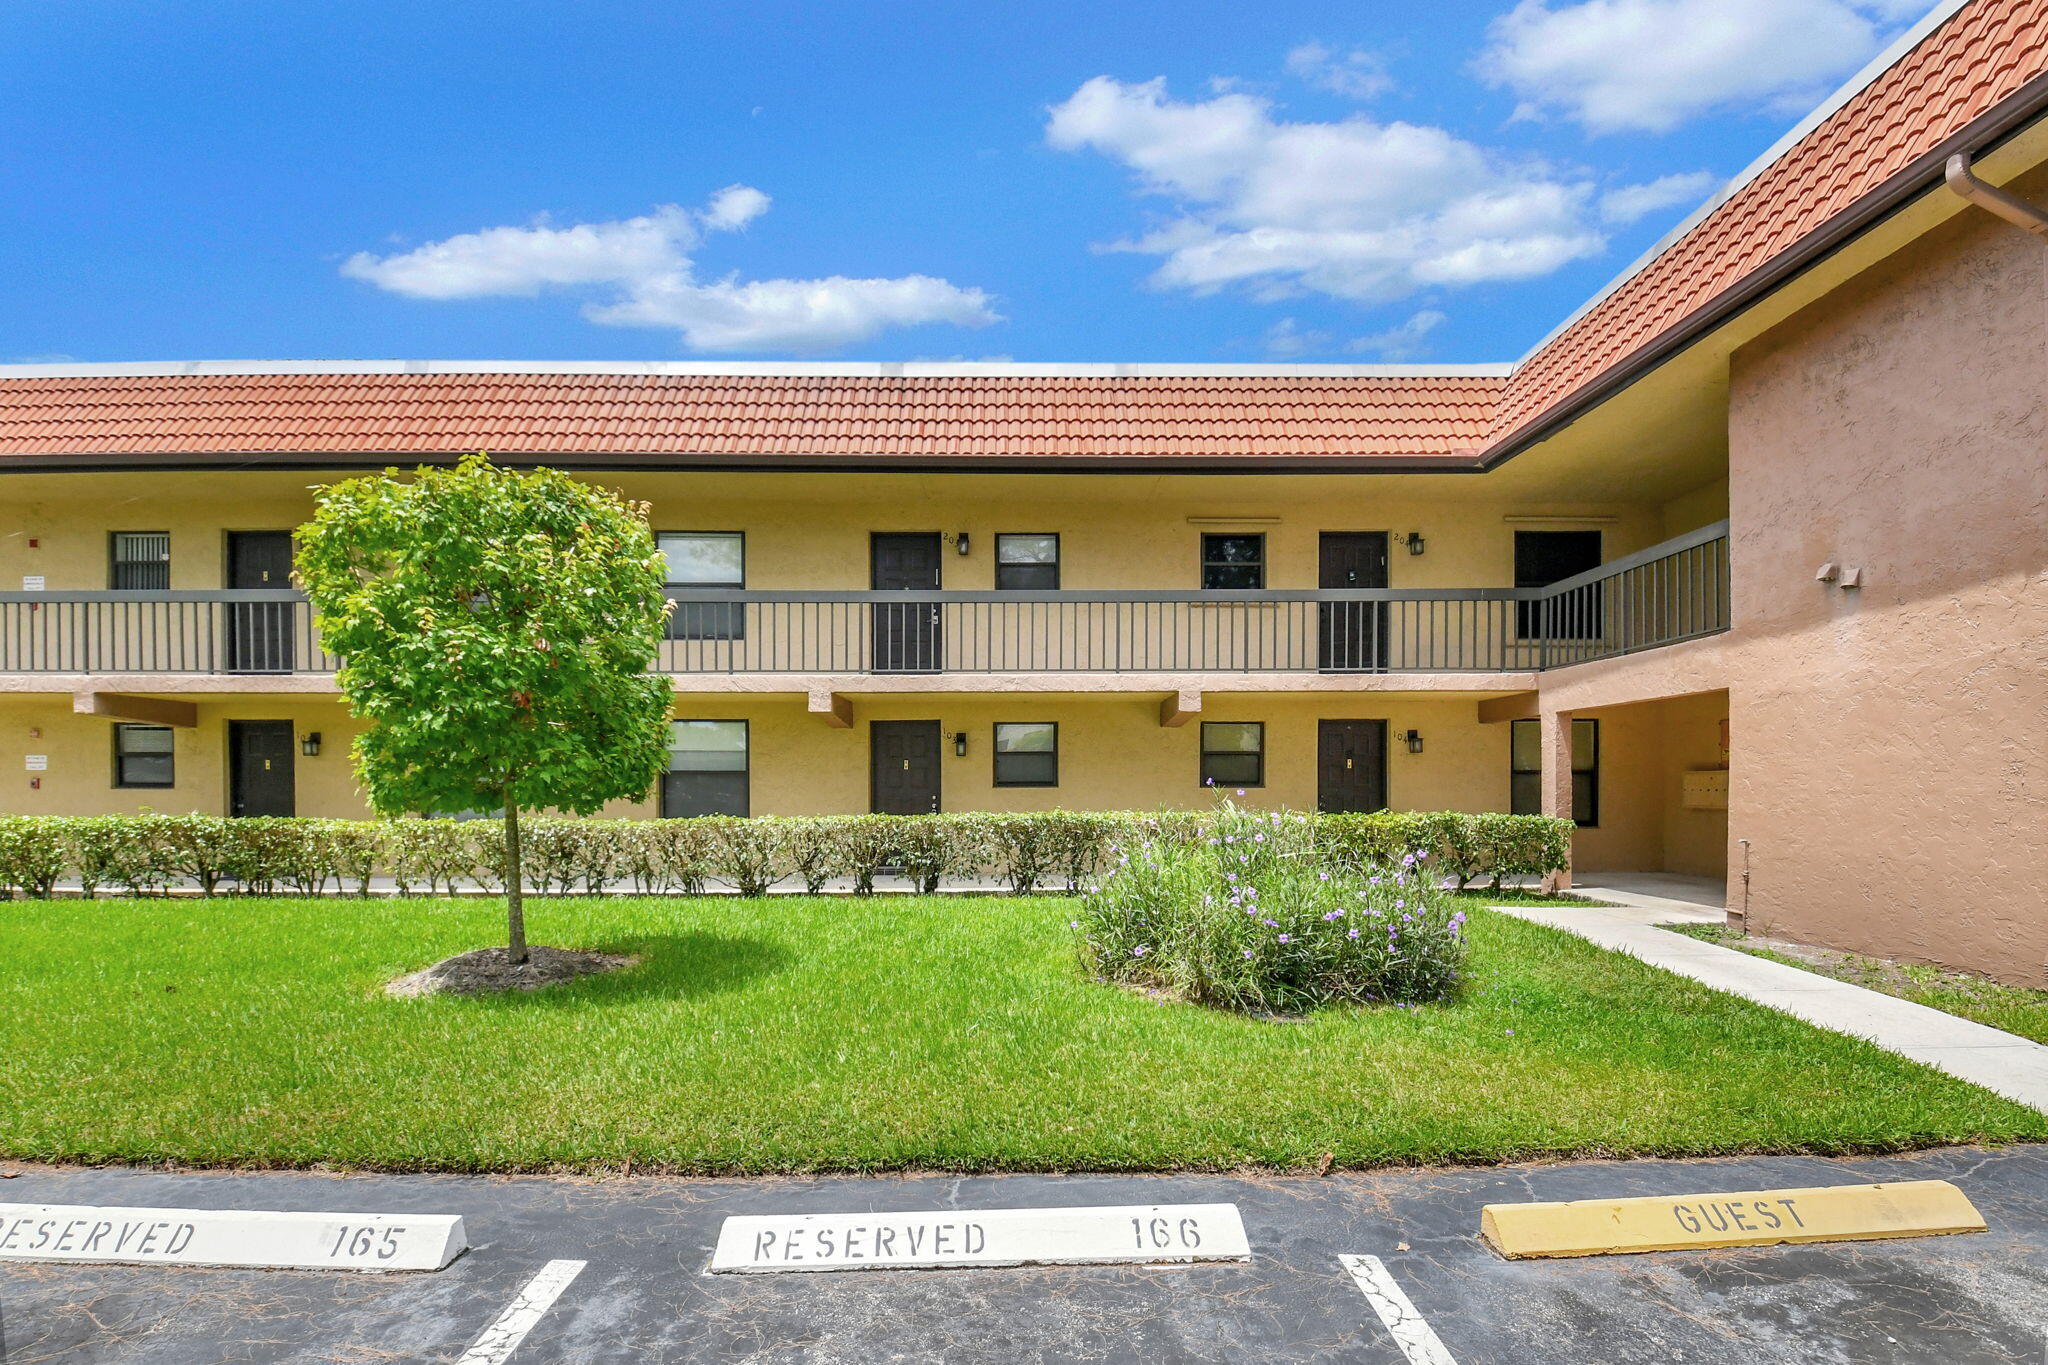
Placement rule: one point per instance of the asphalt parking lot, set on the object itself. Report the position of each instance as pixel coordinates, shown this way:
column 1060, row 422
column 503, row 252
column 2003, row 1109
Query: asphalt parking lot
column 641, row 1293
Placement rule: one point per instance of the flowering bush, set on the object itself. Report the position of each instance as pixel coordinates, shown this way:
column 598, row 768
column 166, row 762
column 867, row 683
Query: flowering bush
column 1247, row 916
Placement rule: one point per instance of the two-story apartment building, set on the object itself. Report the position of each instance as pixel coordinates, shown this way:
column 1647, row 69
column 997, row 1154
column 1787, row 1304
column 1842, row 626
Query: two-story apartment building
column 1741, row 568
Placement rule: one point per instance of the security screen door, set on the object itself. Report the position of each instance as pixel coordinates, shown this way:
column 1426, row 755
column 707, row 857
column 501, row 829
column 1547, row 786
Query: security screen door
column 906, row 636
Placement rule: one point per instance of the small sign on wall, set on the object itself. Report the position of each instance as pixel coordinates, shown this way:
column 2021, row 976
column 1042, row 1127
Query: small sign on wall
column 38, row 763
column 32, row 582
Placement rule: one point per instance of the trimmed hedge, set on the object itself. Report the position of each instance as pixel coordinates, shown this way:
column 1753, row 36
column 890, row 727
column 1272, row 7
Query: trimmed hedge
column 1028, row 851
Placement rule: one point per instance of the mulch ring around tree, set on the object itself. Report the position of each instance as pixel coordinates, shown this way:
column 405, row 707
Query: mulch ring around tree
column 490, row 970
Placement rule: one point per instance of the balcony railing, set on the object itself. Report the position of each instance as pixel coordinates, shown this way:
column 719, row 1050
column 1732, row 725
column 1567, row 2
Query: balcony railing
column 1669, row 593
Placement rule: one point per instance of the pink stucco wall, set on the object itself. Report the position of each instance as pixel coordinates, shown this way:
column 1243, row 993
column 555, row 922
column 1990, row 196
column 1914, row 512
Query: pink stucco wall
column 1891, row 741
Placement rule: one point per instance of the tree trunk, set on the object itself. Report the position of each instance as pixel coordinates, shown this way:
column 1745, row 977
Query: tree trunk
column 515, row 885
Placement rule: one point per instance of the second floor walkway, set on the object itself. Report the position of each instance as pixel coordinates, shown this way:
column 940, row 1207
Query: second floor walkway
column 1663, row 595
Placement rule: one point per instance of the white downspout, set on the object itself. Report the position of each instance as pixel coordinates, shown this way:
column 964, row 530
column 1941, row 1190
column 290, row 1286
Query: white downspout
column 1992, row 199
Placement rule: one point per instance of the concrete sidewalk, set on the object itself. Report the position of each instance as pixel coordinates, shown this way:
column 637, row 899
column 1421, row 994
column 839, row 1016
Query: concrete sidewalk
column 2003, row 1062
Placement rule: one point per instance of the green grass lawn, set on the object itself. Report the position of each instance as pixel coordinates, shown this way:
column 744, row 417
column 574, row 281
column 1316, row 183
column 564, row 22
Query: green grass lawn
column 1558, row 900
column 805, row 1034
column 2016, row 1009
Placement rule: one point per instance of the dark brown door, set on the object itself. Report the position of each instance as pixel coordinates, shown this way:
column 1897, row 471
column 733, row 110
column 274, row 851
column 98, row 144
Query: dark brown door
column 906, row 634
column 1351, row 765
column 1352, row 636
column 260, row 768
column 904, row 761
column 260, row 634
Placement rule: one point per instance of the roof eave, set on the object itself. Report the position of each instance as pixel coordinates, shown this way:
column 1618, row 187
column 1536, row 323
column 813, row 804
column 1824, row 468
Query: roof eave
column 1988, row 130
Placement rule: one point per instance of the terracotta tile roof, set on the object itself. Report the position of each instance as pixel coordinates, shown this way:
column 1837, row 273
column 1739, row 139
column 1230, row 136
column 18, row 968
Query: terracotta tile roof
column 753, row 415
column 1986, row 53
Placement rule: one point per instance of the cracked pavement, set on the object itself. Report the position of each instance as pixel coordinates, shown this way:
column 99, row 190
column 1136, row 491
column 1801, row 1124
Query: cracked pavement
column 644, row 1296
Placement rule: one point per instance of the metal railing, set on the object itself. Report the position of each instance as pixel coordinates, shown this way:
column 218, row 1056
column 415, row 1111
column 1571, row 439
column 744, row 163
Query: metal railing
column 1663, row 595
column 266, row 630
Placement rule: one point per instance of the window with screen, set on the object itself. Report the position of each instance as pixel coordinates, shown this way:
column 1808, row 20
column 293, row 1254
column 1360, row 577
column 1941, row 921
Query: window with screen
column 1027, row 753
column 705, row 559
column 141, row 561
column 1525, row 777
column 143, row 757
column 1546, row 557
column 1233, row 753
column 707, row 768
column 1027, row 561
column 1233, row 561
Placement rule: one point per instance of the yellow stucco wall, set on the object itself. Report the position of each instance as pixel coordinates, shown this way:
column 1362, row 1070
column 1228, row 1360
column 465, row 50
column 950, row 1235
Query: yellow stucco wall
column 811, row 530
column 1113, row 753
column 80, row 750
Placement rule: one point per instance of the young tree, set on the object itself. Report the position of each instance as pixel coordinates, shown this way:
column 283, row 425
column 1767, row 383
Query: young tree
column 496, row 630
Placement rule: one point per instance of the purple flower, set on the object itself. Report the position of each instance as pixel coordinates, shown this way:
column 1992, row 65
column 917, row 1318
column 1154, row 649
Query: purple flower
column 1240, row 791
column 1270, row 923
column 1247, row 954
column 1073, row 924
column 1283, row 938
column 1511, row 1033
column 1138, row 951
column 1352, row 934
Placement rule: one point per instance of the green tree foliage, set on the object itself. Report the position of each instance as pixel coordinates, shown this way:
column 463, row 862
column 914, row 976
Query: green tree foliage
column 497, row 629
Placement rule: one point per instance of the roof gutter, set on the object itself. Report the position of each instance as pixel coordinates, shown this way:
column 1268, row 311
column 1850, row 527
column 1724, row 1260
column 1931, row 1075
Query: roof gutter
column 1987, row 131
column 1992, row 199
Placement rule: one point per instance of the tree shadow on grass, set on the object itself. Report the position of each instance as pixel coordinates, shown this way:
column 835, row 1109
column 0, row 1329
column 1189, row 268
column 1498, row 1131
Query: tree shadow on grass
column 683, row 966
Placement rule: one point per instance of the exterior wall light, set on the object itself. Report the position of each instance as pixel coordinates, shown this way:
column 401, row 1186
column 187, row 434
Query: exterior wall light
column 1413, row 739
column 1416, row 544
column 309, row 744
column 960, row 543
column 960, row 744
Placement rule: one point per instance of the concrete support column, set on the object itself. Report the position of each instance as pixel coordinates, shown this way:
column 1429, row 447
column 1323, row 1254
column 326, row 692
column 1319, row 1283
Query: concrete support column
column 1556, row 730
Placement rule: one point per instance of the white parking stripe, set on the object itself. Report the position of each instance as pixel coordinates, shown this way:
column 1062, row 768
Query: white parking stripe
column 502, row 1337
column 1404, row 1324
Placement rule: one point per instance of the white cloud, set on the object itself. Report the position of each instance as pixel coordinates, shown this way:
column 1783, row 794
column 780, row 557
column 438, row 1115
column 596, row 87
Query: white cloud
column 526, row 260
column 1357, row 209
column 1404, row 342
column 792, row 315
column 1631, row 202
column 734, row 207
column 647, row 261
column 1651, row 65
column 1289, row 340
column 1358, row 74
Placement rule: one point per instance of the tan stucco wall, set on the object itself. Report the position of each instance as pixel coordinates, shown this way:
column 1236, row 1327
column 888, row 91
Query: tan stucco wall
column 1891, row 761
column 1646, row 749
column 811, row 530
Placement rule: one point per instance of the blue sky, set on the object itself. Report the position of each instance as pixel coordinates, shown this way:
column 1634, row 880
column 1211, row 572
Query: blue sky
column 1140, row 181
